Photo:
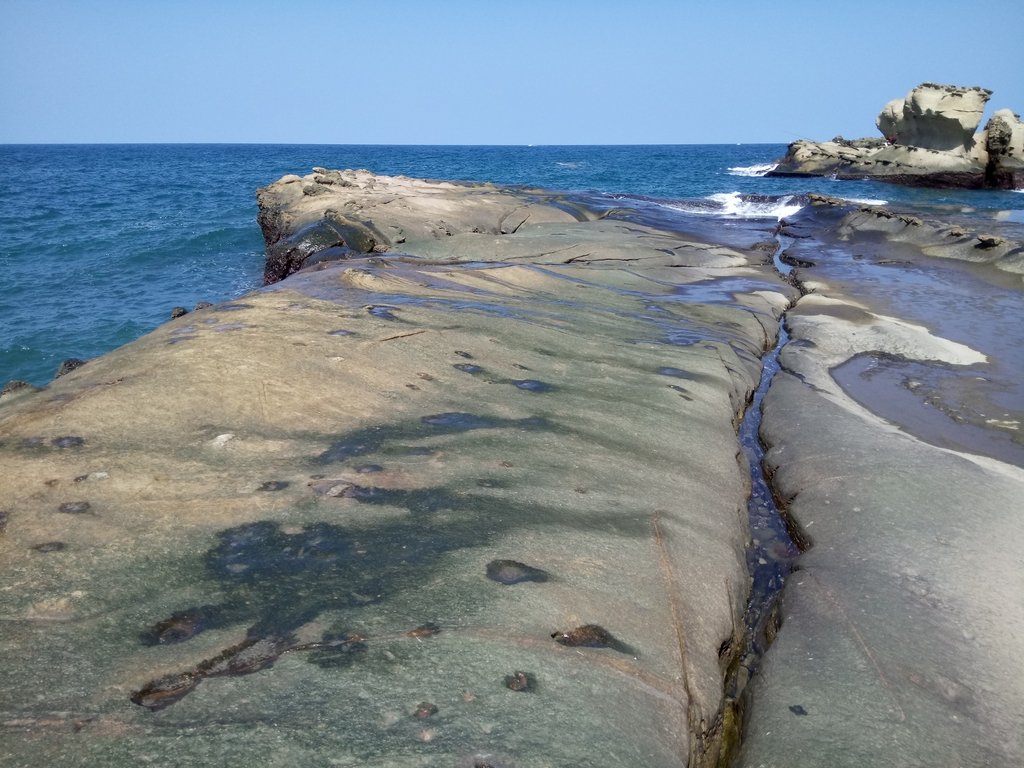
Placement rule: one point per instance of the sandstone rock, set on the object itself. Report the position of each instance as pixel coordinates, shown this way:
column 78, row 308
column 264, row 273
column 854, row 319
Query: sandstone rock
column 931, row 141
column 939, row 117
column 1004, row 143
column 291, row 622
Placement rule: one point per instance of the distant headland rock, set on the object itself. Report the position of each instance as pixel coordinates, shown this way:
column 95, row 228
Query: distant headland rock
column 930, row 139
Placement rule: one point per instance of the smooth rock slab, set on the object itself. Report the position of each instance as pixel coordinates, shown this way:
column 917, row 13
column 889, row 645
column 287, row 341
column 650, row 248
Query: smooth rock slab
column 903, row 627
column 198, row 618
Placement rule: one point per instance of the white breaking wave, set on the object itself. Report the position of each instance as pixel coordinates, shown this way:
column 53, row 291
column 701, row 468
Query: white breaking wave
column 865, row 201
column 734, row 204
column 753, row 170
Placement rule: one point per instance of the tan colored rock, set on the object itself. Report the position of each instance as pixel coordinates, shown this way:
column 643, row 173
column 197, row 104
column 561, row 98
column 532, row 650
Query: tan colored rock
column 288, row 555
column 930, row 140
column 939, row 117
column 1003, row 140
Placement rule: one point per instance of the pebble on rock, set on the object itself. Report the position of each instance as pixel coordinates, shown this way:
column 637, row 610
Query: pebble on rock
column 587, row 636
column 518, row 681
column 424, row 710
column 513, row 572
column 274, row 485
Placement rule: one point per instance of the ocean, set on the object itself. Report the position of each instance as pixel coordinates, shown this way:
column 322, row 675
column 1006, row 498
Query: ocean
column 98, row 243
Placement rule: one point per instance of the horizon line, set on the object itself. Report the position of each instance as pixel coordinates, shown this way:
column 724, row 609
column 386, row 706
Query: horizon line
column 370, row 144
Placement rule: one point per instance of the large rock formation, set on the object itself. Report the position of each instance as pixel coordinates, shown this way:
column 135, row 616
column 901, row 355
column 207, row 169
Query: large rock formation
column 930, row 139
column 465, row 490
column 939, row 117
column 477, row 501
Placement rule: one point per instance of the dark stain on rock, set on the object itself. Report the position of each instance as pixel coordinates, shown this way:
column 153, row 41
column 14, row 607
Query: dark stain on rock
column 369, row 469
column 468, row 368
column 50, row 546
column 165, row 691
column 382, row 311
column 462, row 354
column 338, row 650
column 75, row 507
column 513, row 572
column 4, row 518
column 178, row 626
column 519, row 681
column 591, row 636
column 381, row 439
column 341, row 332
column 532, row 385
column 33, row 442
column 274, row 485
column 68, row 441
column 796, row 709
column 424, row 630
column 450, row 423
column 678, row 373
column 683, row 392
column 278, row 580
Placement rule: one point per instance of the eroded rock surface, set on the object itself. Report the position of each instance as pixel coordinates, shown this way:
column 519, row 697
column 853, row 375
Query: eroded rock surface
column 894, row 430
column 293, row 503
column 930, row 138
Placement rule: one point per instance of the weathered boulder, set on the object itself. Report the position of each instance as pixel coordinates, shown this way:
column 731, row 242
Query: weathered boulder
column 931, row 139
column 939, row 117
column 1004, row 143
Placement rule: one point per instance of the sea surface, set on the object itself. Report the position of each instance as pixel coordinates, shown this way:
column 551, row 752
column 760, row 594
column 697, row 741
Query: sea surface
column 98, row 243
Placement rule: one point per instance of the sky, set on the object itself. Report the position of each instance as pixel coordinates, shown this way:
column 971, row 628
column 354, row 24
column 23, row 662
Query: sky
column 480, row 72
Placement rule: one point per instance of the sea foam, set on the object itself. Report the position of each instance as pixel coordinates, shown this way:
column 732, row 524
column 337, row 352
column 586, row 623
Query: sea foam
column 740, row 206
column 753, row 170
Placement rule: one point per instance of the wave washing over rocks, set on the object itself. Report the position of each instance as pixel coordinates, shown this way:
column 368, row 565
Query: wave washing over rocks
column 463, row 486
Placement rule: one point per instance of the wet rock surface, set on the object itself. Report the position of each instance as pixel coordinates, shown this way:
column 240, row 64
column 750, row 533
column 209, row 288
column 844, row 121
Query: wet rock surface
column 893, row 429
column 290, row 542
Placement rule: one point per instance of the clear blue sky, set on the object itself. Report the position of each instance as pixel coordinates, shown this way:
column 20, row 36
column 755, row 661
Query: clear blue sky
column 481, row 72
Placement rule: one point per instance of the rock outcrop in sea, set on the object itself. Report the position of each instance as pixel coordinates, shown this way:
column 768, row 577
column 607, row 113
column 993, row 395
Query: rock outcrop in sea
column 929, row 138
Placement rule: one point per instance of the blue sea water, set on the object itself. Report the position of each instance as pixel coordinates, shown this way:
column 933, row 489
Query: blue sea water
column 99, row 242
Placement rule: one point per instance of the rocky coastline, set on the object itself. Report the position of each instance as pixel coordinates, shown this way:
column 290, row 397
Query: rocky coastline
column 930, row 138
column 462, row 486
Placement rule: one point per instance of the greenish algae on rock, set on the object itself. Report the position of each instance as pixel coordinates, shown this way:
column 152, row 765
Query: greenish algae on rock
column 902, row 628
column 294, row 498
